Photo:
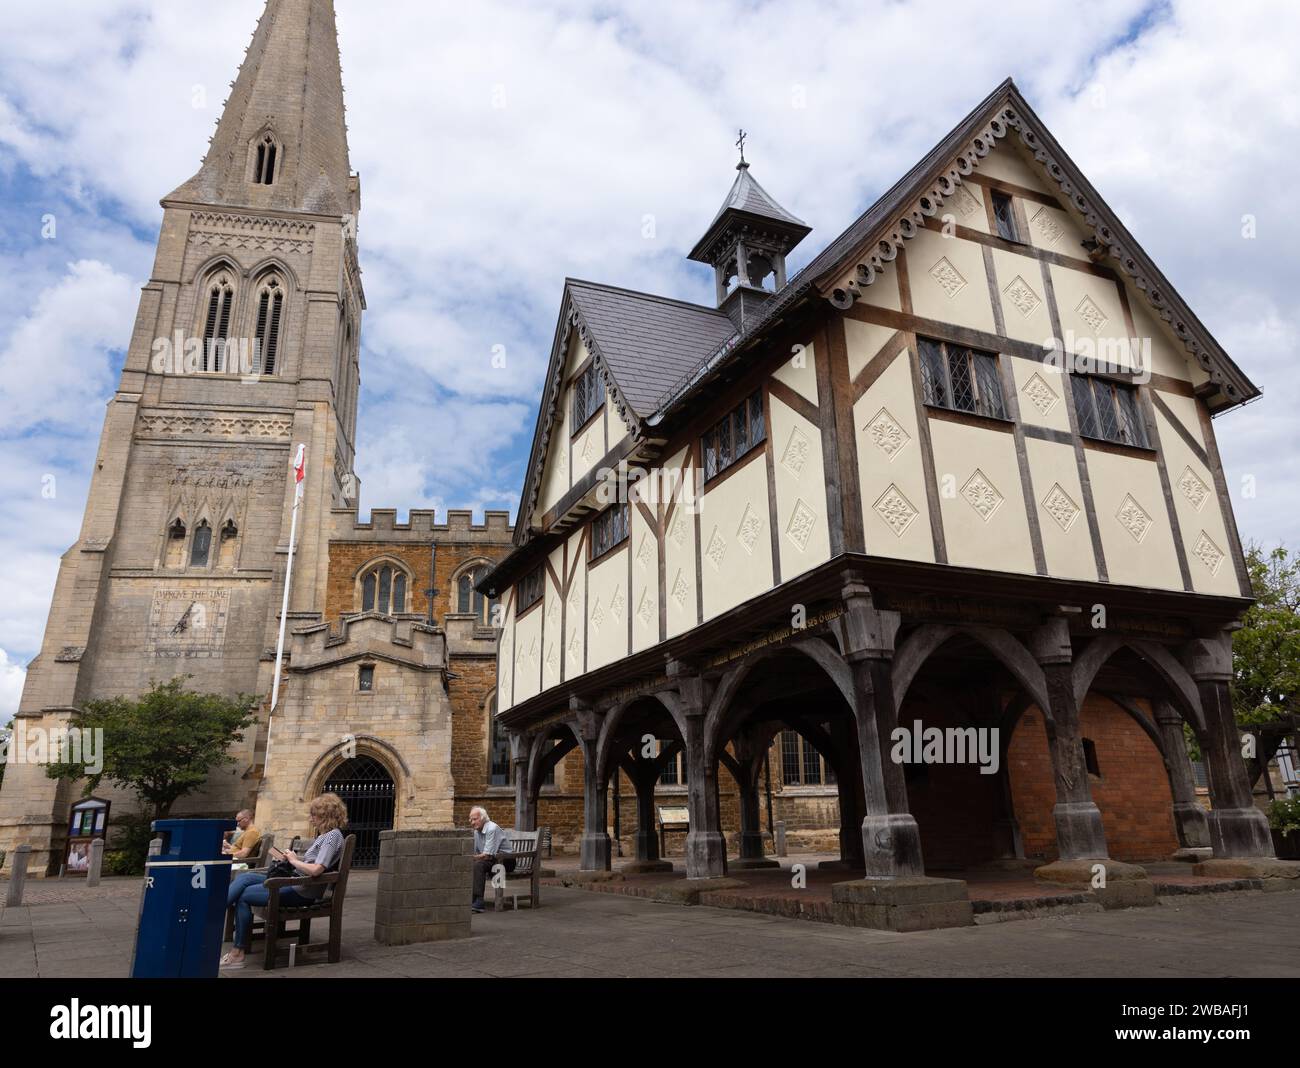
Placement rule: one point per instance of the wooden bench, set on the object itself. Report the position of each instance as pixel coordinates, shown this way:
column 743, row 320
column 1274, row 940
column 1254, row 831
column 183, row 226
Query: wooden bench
column 261, row 856
column 269, row 921
column 526, row 848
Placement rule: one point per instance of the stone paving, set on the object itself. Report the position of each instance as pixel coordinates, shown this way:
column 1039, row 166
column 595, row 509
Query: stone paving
column 578, row 933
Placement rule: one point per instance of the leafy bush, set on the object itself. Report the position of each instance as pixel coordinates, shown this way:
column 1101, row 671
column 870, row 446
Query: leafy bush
column 131, row 838
column 1284, row 815
column 120, row 862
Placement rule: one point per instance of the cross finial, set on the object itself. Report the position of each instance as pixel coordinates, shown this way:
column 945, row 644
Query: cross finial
column 740, row 144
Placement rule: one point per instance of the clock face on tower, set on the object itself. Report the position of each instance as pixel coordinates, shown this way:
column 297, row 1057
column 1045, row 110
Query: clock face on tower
column 189, row 622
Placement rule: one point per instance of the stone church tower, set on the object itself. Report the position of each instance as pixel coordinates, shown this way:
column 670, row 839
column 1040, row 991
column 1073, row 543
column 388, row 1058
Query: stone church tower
column 180, row 563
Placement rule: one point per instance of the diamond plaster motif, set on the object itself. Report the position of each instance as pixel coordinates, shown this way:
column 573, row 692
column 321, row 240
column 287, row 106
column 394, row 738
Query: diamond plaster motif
column 1088, row 311
column 888, row 436
column 645, row 609
column 948, row 277
column 895, row 509
column 644, row 555
column 678, row 532
column 1021, row 296
column 717, row 549
column 618, row 602
column 1208, row 553
column 802, row 521
column 1045, row 225
column 965, row 203
column 532, row 653
column 680, row 590
column 1194, row 489
column 749, row 530
column 1061, row 507
column 575, row 648
column 1042, row 396
column 588, row 448
column 553, row 610
column 795, row 457
column 982, row 495
column 1133, row 518
column 551, row 657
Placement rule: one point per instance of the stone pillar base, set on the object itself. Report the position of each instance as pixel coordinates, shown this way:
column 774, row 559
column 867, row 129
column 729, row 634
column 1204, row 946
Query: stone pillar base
column 1126, row 885
column 1190, row 855
column 913, row 904
column 1274, row 874
column 643, row 867
column 750, row 863
column 892, row 846
column 593, row 852
column 1192, row 823
column 1239, row 833
column 706, row 855
column 425, row 880
column 1079, row 833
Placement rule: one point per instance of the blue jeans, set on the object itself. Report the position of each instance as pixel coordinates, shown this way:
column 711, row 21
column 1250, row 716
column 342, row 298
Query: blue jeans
column 246, row 891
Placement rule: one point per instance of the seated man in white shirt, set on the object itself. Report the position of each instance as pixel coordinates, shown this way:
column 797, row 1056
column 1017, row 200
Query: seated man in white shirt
column 491, row 847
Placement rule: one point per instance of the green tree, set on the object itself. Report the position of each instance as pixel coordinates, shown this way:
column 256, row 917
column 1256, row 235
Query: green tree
column 1266, row 650
column 163, row 745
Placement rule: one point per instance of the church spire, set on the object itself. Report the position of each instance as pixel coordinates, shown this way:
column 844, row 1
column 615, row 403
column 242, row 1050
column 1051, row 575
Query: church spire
column 281, row 141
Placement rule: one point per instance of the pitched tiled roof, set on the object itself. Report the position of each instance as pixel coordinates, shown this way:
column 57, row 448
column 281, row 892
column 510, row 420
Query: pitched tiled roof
column 747, row 195
column 648, row 342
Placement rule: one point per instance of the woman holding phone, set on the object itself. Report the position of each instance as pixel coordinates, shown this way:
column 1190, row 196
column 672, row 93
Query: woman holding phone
column 327, row 816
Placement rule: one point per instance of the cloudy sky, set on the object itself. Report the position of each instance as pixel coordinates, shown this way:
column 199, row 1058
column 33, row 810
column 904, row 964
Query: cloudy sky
column 505, row 146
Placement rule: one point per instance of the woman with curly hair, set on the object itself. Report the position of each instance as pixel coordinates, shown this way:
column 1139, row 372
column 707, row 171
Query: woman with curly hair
column 327, row 816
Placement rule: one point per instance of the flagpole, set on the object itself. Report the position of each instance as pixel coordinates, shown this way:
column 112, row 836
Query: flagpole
column 299, row 474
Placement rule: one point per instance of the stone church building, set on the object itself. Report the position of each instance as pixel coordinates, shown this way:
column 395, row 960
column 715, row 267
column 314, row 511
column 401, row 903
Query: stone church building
column 867, row 501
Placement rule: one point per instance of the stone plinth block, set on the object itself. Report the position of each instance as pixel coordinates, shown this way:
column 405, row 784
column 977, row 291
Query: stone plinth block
column 917, row 903
column 1127, row 885
column 424, row 886
column 1274, row 874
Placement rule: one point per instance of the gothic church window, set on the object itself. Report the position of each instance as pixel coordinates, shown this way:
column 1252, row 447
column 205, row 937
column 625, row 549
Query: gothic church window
column 264, row 164
column 201, row 547
column 216, row 321
column 226, row 549
column 175, row 555
column 470, row 601
column 383, row 590
column 266, row 332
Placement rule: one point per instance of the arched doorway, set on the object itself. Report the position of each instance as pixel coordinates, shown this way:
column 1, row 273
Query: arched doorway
column 368, row 790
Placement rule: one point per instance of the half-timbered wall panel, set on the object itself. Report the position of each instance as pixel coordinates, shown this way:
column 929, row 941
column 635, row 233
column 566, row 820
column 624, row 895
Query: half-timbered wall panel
column 528, row 654
column 575, row 608
column 680, row 587
column 1018, row 282
column 1040, row 395
column 506, row 658
column 980, row 496
column 891, row 468
column 1067, row 543
column 1134, row 521
column 735, row 540
column 948, row 281
column 607, row 609
column 800, row 481
column 553, row 622
column 645, row 579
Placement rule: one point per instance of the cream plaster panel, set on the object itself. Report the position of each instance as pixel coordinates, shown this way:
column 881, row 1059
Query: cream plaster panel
column 735, row 539
column 974, row 464
column 1200, row 517
column 555, row 479
column 575, row 633
column 679, row 552
column 577, row 354
column 1054, row 229
column 1022, row 295
column 891, row 474
column 617, row 428
column 1067, row 541
column 802, row 531
column 553, row 632
column 863, row 341
column 1185, row 408
column 505, row 659
column 1168, row 356
column 948, row 281
column 608, row 605
column 803, row 380
column 966, row 206
column 1040, row 394
column 1007, row 164
column 1090, row 312
column 528, row 655
column 883, row 292
column 1118, row 484
column 589, row 446
column 645, row 582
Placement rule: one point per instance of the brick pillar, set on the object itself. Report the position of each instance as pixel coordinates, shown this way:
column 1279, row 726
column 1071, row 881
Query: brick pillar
column 1237, row 827
column 891, row 840
column 706, row 848
column 594, row 849
column 1079, row 831
column 1189, row 818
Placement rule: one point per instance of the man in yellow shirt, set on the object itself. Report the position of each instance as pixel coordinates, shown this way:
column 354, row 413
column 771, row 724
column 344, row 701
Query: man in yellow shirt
column 244, row 843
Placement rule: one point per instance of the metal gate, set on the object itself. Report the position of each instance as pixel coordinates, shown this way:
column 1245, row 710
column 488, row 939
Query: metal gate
column 364, row 785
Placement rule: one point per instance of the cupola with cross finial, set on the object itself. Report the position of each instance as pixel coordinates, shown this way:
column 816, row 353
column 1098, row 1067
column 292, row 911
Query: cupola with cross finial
column 746, row 244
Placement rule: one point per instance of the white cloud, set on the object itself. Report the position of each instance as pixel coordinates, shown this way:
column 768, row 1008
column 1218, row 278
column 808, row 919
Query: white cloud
column 11, row 687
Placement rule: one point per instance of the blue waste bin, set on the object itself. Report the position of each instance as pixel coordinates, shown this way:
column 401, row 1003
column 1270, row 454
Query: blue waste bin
column 183, row 905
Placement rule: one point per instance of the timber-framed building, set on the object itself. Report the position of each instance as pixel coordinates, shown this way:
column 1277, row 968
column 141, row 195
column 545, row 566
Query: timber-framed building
column 890, row 491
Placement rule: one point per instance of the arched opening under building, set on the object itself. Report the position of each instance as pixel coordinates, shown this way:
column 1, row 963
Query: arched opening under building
column 367, row 789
